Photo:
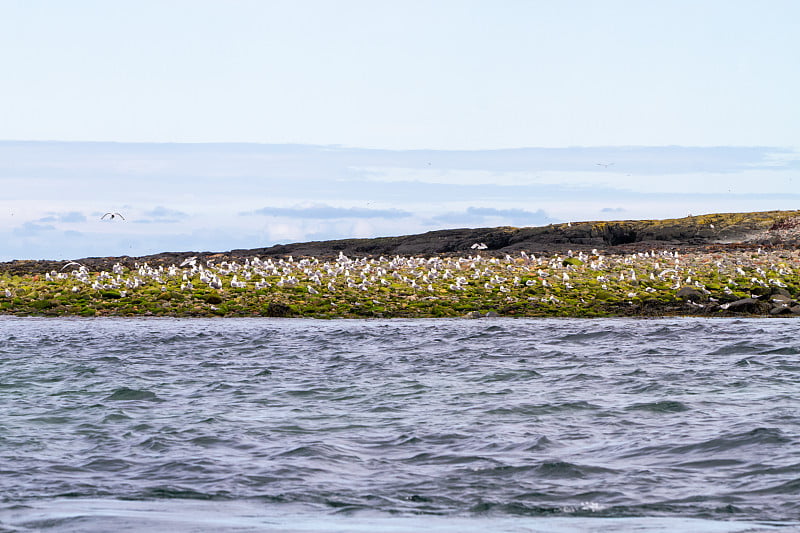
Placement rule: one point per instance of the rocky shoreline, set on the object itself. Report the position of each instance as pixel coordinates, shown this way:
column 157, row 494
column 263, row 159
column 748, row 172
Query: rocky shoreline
column 740, row 264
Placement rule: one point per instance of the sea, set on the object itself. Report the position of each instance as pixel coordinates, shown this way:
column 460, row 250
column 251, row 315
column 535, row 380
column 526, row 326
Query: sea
column 434, row 425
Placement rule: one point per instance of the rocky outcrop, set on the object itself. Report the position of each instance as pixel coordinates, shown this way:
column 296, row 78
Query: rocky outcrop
column 778, row 302
column 716, row 231
column 691, row 294
column 762, row 228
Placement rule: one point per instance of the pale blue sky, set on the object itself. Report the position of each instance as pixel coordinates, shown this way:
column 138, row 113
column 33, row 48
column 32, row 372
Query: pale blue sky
column 381, row 117
column 403, row 74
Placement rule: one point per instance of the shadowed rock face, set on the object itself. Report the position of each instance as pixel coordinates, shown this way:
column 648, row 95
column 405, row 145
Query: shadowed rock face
column 764, row 228
column 719, row 231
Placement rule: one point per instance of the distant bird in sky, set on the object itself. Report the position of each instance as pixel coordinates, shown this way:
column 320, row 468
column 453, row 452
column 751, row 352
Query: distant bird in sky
column 605, row 165
column 112, row 216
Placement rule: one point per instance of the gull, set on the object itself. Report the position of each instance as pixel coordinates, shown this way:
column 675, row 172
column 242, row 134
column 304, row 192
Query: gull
column 72, row 263
column 192, row 261
column 605, row 165
column 112, row 216
column 479, row 246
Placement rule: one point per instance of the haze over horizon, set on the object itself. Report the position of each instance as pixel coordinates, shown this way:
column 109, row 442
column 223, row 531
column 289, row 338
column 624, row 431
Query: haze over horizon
column 213, row 126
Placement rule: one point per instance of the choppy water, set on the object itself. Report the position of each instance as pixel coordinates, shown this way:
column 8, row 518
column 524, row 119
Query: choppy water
column 442, row 425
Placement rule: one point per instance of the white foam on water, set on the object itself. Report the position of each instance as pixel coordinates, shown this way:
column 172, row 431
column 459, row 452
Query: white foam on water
column 189, row 516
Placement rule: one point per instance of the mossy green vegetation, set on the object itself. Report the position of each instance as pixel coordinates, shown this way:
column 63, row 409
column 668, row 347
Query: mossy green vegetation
column 560, row 285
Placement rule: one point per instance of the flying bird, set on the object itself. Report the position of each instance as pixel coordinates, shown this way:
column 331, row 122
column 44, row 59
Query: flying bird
column 112, row 216
column 72, row 263
column 605, row 165
column 192, row 261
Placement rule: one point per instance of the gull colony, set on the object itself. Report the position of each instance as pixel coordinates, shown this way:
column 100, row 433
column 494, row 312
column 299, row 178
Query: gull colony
column 524, row 283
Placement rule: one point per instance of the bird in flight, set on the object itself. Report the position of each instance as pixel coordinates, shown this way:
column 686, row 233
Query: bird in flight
column 112, row 216
column 605, row 165
column 71, row 263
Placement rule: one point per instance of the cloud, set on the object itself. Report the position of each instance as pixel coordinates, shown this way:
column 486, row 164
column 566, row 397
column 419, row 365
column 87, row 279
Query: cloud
column 32, row 228
column 163, row 212
column 70, row 217
column 162, row 215
column 481, row 216
column 219, row 193
column 329, row 212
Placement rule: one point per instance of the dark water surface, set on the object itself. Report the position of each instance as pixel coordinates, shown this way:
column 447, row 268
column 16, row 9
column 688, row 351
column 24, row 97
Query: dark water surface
column 438, row 425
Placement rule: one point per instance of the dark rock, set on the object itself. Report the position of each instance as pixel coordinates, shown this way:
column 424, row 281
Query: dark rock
column 615, row 234
column 795, row 309
column 276, row 309
column 781, row 310
column 749, row 305
column 761, row 292
column 781, row 291
column 780, row 300
column 691, row 294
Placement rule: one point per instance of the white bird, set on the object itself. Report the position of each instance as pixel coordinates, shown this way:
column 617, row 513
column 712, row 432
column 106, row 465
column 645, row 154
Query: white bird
column 112, row 216
column 72, row 263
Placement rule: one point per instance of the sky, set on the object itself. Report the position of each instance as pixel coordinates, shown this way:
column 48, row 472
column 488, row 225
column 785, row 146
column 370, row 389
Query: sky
column 214, row 125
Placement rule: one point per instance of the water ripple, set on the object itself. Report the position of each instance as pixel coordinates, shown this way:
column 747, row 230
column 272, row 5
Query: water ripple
column 669, row 417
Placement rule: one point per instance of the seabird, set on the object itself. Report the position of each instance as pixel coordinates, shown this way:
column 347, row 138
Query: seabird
column 72, row 263
column 192, row 261
column 112, row 215
column 605, row 165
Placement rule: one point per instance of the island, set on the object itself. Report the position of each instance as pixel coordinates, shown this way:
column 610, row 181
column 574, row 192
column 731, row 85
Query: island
column 724, row 264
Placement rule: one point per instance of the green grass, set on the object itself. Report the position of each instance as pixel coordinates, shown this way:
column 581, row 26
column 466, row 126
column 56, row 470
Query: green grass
column 557, row 286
